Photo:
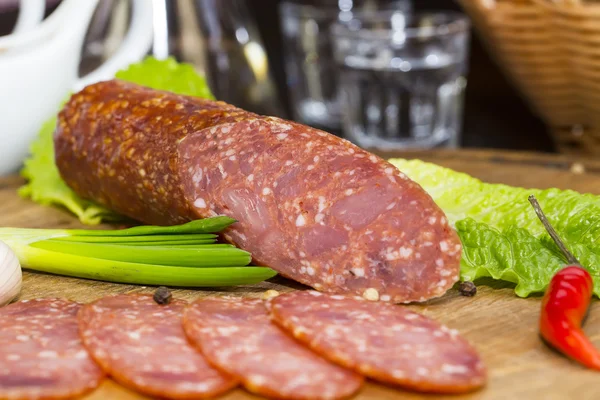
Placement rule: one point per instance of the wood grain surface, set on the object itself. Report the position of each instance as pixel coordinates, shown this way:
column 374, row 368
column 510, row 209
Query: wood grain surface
column 502, row 326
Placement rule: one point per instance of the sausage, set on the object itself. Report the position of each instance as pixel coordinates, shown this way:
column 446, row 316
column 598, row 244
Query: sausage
column 384, row 342
column 237, row 336
column 41, row 355
column 142, row 346
column 310, row 205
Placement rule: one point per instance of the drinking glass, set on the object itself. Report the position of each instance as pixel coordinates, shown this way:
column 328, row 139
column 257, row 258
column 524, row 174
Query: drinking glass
column 402, row 78
column 309, row 64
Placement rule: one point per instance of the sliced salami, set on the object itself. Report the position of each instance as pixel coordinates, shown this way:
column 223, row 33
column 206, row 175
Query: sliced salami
column 142, row 346
column 41, row 355
column 384, row 342
column 310, row 205
column 237, row 336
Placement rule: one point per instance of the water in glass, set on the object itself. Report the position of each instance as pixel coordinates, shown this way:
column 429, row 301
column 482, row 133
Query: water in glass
column 402, row 92
column 312, row 75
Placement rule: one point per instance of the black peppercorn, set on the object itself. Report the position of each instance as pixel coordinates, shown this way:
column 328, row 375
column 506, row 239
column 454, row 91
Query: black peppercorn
column 467, row 289
column 162, row 295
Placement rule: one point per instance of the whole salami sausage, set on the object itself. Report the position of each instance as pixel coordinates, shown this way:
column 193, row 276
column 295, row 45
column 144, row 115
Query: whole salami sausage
column 310, row 205
column 41, row 355
column 384, row 342
column 142, row 345
column 237, row 336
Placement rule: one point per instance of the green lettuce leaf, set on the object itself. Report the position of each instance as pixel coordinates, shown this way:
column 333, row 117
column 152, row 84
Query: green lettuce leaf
column 168, row 74
column 500, row 232
column 45, row 185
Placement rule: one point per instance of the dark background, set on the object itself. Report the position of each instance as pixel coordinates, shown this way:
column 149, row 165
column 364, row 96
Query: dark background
column 495, row 114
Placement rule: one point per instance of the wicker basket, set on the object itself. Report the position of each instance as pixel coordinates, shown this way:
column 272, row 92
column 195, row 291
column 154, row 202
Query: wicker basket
column 550, row 50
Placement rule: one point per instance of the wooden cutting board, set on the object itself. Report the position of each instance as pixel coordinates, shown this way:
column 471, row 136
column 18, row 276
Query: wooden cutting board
column 502, row 326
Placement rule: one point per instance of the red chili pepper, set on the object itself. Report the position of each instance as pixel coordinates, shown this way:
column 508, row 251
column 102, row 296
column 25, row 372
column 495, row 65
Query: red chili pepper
column 563, row 309
column 565, row 305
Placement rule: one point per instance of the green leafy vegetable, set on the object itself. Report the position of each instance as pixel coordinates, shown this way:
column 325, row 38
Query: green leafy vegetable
column 201, row 256
column 168, row 74
column 207, row 225
column 142, row 274
column 500, row 232
column 164, row 258
column 45, row 185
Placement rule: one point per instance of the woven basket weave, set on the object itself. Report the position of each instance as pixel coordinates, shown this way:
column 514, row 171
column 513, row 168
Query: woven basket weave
column 550, row 50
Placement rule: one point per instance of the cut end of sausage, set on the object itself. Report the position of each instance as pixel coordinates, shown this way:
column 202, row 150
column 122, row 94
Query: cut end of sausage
column 321, row 211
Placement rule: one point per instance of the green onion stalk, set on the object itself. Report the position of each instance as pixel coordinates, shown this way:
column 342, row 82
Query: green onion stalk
column 185, row 255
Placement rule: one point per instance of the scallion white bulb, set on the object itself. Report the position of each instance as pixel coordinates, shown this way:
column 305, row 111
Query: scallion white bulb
column 11, row 276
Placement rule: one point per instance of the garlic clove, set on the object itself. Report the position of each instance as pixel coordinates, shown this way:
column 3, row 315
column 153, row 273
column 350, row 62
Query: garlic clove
column 11, row 276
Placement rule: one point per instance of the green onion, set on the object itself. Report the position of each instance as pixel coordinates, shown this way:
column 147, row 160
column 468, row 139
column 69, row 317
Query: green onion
column 203, row 238
column 196, row 256
column 182, row 255
column 142, row 274
column 179, row 243
column 207, row 225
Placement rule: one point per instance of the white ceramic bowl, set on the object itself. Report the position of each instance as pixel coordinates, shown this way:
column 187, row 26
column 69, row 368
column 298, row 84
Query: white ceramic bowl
column 39, row 67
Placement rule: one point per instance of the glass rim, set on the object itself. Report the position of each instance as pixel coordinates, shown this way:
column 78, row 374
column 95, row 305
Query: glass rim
column 291, row 8
column 453, row 22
